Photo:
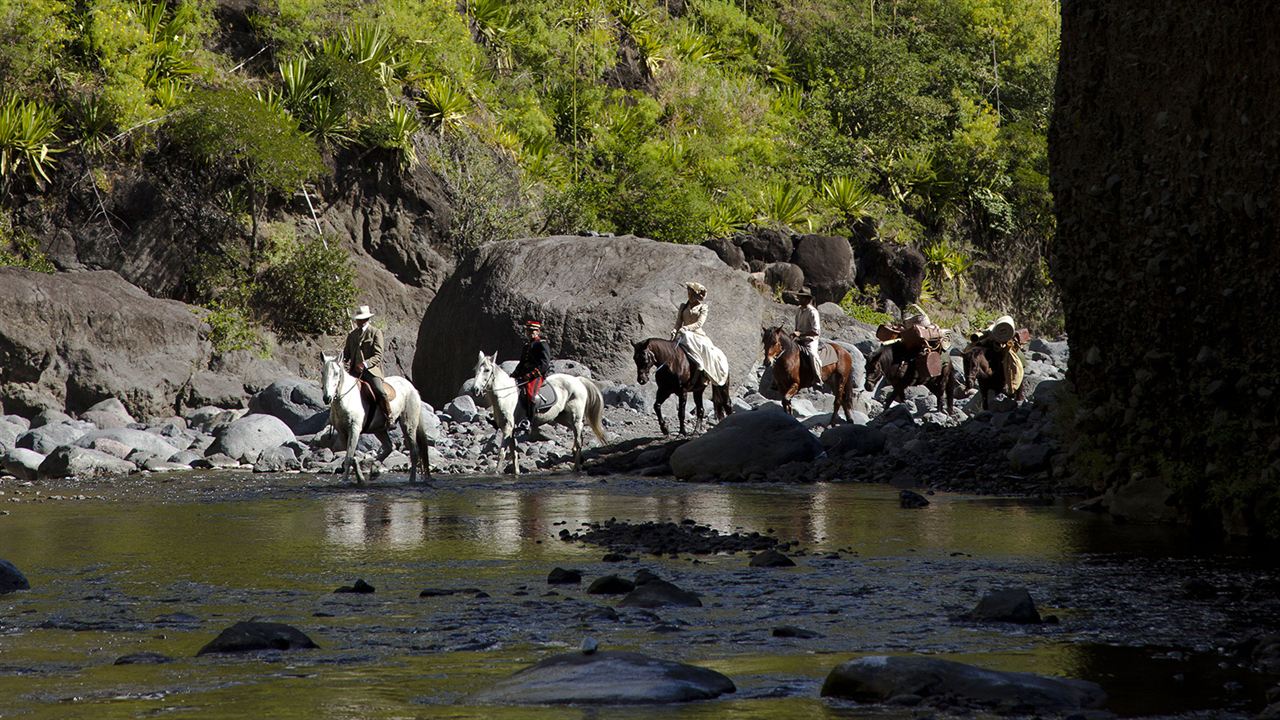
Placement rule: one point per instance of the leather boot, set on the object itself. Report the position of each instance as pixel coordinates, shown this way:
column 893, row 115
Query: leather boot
column 386, row 411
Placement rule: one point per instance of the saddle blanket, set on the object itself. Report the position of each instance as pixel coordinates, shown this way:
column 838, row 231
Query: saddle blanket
column 826, row 353
column 545, row 398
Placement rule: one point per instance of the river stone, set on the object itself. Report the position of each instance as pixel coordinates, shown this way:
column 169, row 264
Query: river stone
column 560, row 576
column 82, row 462
column 880, row 678
column 216, row 461
column 744, row 444
column 23, row 464
column 462, row 409
column 631, row 292
column 300, row 404
column 791, row 631
column 184, row 457
column 156, row 465
column 47, row 438
column 252, row 636
column 1029, row 457
column 18, row 421
column 143, row 658
column 277, row 459
column 131, row 439
column 911, row 500
column 359, row 587
column 48, row 416
column 771, row 559
column 607, row 678
column 853, row 440
column 247, row 438
column 1006, row 605
column 655, row 593
column 109, row 413
column 9, row 432
column 610, row 585
column 11, row 578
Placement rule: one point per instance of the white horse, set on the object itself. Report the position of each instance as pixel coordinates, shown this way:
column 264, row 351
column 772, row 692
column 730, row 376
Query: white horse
column 346, row 415
column 576, row 399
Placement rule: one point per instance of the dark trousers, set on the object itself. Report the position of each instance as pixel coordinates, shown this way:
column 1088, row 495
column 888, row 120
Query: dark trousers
column 375, row 383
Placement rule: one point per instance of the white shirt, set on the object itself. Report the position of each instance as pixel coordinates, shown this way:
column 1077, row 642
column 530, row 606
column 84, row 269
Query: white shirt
column 807, row 320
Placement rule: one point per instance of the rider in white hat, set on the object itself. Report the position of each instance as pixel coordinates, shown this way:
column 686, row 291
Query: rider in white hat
column 363, row 355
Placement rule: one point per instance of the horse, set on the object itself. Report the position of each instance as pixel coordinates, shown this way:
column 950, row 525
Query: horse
column 987, row 372
column 792, row 372
column 576, row 399
column 900, row 375
column 674, row 376
column 347, row 416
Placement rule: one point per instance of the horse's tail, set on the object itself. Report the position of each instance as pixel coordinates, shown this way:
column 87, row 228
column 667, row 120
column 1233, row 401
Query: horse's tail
column 594, row 409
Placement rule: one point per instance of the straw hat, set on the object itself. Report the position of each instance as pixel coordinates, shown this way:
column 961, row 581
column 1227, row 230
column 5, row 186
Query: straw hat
column 362, row 313
column 696, row 287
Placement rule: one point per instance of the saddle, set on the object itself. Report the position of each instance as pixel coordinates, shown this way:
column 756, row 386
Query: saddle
column 826, row 353
column 545, row 398
column 372, row 411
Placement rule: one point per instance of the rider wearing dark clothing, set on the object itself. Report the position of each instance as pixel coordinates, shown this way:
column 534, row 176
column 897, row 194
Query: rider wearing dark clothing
column 534, row 366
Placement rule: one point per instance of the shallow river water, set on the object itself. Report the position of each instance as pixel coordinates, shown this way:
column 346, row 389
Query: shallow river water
column 145, row 565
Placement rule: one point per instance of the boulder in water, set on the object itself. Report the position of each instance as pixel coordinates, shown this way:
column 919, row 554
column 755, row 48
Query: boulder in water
column 130, row 439
column 82, row 462
column 910, row 500
column 11, row 578
column 610, row 585
column 857, row 439
column 607, row 678
column 300, row 404
column 143, row 658
column 745, row 444
column 771, row 559
column 247, row 438
column 22, row 463
column 560, row 576
column 1007, row 605
column 655, row 593
column 252, row 636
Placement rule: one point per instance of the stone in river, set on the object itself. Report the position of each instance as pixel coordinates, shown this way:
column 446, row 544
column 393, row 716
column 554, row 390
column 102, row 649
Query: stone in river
column 1006, row 605
column 253, row 636
column 660, row 593
column 607, row 678
column 610, row 585
column 771, row 559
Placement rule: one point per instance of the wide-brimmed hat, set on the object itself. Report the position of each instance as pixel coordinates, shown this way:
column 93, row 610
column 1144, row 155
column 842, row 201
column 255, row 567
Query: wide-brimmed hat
column 696, row 287
column 804, row 293
column 362, row 313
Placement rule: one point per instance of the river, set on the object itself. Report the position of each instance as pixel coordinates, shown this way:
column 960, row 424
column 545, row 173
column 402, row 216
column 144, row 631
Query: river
column 163, row 564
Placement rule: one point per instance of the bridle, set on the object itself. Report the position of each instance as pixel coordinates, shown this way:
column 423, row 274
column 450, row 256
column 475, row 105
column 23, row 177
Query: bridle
column 342, row 378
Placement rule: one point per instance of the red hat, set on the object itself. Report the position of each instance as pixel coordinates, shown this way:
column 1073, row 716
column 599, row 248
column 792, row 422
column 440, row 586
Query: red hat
column 533, row 324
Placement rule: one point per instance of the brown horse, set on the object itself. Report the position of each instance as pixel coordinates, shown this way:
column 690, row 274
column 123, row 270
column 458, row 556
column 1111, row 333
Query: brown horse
column 674, row 376
column 984, row 368
column 792, row 372
column 900, row 372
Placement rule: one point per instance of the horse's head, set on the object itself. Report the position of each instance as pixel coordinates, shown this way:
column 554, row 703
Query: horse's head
column 331, row 373
column 771, row 343
column 486, row 371
column 875, row 369
column 644, row 361
column 975, row 366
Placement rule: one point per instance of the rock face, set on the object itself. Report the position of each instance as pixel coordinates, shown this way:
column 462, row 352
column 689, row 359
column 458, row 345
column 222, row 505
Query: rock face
column 596, row 297
column 1167, row 198
column 746, row 444
column 607, row 678
column 247, row 438
column 11, row 578
column 253, row 636
column 880, row 678
column 74, row 339
column 827, row 263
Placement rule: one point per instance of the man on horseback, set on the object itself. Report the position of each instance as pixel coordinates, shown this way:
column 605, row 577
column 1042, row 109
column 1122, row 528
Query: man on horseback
column 704, row 356
column 533, row 368
column 362, row 355
column 807, row 332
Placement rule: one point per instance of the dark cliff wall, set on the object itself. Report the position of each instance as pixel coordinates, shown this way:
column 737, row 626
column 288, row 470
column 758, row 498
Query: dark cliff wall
column 1165, row 153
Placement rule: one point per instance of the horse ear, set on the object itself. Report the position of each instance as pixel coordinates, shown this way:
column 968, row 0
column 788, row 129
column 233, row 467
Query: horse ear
column 482, row 356
column 494, row 358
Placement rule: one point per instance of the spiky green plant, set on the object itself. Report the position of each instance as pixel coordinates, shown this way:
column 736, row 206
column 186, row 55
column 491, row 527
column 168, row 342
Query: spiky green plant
column 850, row 199
column 322, row 119
column 443, row 103
column 28, row 131
column 368, row 44
column 299, row 82
column 726, row 219
column 784, row 203
column 91, row 118
column 493, row 21
column 402, row 124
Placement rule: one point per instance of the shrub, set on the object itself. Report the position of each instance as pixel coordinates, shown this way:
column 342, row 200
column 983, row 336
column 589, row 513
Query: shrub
column 230, row 330
column 28, row 129
column 311, row 291
column 20, row 249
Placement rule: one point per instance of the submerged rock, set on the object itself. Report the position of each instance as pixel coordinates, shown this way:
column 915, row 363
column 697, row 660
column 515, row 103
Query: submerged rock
column 143, row 658
column 910, row 500
column 247, row 438
column 253, row 636
column 771, row 559
column 360, row 587
column 560, row 576
column 11, row 578
column 881, row 678
column 607, row 678
column 791, row 631
column 610, row 585
column 656, row 593
column 1006, row 605
column 745, row 444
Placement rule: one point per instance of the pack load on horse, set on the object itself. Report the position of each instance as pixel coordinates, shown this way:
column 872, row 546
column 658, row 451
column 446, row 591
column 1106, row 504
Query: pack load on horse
column 993, row 361
column 673, row 372
column 575, row 400
column 825, row 364
column 360, row 400
column 913, row 353
column 704, row 356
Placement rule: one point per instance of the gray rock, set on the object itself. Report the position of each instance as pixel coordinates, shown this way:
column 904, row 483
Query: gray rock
column 729, row 253
column 879, row 678
column 9, row 433
column 18, row 421
column 853, row 440
column 47, row 438
column 1029, row 457
column 784, row 276
column 129, row 438
column 1142, row 499
column 631, row 293
column 217, row 461
column 11, row 578
column 1012, row 605
column 71, row 461
column 49, row 417
column 143, row 658
column 1057, row 352
column 746, row 443
column 610, row 585
column 827, row 263
column 911, row 500
column 606, row 678
column 23, row 464
column 569, row 367
column 396, row 462
column 255, row 636
column 657, row 593
column 299, row 403
column 765, row 244
column 277, row 459
column 245, row 439
column 156, row 465
column 109, row 413
column 462, row 409
column 771, row 559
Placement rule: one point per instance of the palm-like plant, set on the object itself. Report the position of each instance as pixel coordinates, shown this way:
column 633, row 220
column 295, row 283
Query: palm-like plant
column 323, row 120
column 947, row 263
column 784, row 204
column 493, row 21
column 726, row 219
column 848, row 197
column 28, row 131
column 402, row 124
column 444, row 103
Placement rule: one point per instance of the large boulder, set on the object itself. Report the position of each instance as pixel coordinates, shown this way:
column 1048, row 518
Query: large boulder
column 827, row 263
column 596, row 297
column 880, row 678
column 47, row 438
column 746, row 444
column 73, row 339
column 300, row 404
column 728, row 252
column 247, row 438
column 897, row 270
column 22, row 463
column 607, row 678
column 765, row 245
column 83, row 462
column 11, row 578
column 131, row 439
column 256, row 636
column 110, row 413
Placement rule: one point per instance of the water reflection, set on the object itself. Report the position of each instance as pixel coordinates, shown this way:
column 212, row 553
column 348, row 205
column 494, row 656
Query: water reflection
column 360, row 520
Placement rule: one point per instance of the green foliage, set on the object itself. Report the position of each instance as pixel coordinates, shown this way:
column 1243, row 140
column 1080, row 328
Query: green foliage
column 28, row 131
column 855, row 305
column 443, row 103
column 20, row 249
column 230, row 330
column 310, row 291
column 784, row 204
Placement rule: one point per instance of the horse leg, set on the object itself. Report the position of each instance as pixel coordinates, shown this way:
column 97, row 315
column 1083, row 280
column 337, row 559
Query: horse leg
column 683, row 401
column 353, row 439
column 385, row 438
column 697, row 406
column 577, row 445
column 663, row 394
column 411, row 444
column 839, row 400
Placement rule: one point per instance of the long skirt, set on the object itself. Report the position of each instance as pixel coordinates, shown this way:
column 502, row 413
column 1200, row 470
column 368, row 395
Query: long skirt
column 709, row 357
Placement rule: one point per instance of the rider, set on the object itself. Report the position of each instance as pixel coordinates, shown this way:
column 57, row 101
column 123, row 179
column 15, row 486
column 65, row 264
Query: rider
column 703, row 355
column 808, row 329
column 534, row 367
column 362, row 355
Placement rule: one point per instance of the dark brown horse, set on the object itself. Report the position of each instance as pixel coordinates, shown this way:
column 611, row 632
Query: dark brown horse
column 985, row 369
column 898, row 368
column 674, row 375
column 792, row 372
